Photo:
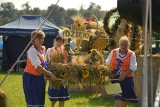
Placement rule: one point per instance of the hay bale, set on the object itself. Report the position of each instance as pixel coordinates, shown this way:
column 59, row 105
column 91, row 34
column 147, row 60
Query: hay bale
column 139, row 74
column 3, row 99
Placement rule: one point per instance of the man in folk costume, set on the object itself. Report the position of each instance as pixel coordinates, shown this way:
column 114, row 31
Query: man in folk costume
column 33, row 75
column 123, row 61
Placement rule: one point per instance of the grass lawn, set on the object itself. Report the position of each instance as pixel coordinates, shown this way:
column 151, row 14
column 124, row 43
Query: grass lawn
column 12, row 86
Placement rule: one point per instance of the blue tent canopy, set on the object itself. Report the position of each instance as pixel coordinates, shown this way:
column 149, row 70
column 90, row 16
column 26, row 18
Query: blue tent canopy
column 16, row 36
column 24, row 25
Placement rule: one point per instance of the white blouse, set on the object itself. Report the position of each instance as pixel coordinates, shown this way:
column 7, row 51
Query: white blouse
column 48, row 53
column 33, row 56
column 133, row 63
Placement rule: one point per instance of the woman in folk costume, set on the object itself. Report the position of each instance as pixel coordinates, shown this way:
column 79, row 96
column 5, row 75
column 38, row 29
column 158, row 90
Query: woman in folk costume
column 58, row 54
column 123, row 61
column 33, row 75
column 58, row 45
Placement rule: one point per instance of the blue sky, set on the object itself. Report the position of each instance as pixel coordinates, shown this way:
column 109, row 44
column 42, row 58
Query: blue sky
column 43, row 4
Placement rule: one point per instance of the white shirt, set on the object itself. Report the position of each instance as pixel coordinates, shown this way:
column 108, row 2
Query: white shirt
column 133, row 63
column 33, row 56
column 48, row 53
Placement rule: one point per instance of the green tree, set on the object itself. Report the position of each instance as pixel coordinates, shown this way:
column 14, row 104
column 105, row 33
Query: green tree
column 38, row 11
column 4, row 20
column 87, row 14
column 69, row 14
column 57, row 15
column 81, row 10
column 94, row 9
column 26, row 8
column 8, row 10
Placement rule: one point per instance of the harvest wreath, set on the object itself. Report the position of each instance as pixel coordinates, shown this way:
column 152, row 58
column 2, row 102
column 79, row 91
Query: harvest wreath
column 73, row 74
column 82, row 69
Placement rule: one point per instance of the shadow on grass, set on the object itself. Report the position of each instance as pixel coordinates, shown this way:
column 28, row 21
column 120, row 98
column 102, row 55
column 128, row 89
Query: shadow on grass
column 93, row 99
column 108, row 102
column 101, row 101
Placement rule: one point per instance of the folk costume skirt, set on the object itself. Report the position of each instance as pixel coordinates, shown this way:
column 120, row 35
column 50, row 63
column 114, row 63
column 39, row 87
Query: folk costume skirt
column 128, row 93
column 34, row 90
column 60, row 94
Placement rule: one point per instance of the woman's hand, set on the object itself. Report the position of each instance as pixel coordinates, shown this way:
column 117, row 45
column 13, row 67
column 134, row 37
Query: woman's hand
column 53, row 77
column 122, row 77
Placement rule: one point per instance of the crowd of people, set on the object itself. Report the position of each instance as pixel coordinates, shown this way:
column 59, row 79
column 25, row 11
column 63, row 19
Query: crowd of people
column 121, row 59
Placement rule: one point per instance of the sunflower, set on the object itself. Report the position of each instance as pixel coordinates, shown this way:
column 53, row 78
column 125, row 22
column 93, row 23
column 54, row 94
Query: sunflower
column 78, row 25
column 101, row 75
column 77, row 21
column 85, row 73
column 63, row 74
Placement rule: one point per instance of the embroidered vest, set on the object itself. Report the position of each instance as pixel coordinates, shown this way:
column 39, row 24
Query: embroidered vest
column 125, row 62
column 30, row 68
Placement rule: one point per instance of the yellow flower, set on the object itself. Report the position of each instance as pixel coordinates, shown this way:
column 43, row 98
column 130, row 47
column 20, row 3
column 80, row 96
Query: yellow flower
column 78, row 25
column 85, row 73
column 63, row 74
column 102, row 76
